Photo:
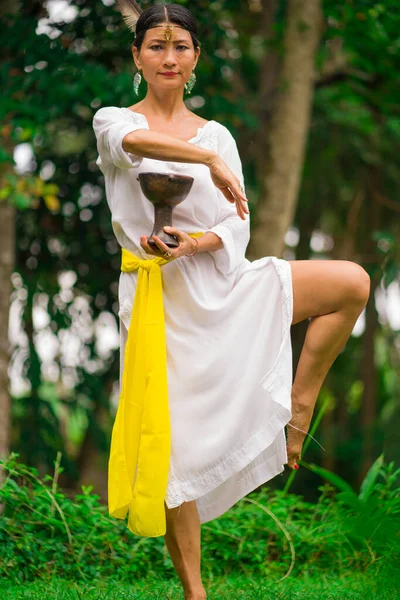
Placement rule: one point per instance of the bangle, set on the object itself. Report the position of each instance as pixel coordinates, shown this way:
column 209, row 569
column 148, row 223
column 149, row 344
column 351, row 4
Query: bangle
column 197, row 248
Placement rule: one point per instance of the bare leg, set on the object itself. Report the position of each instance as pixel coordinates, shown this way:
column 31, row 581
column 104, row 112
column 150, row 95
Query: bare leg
column 183, row 542
column 333, row 294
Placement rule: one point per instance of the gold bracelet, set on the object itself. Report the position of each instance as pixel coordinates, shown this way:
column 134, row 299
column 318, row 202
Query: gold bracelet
column 197, row 248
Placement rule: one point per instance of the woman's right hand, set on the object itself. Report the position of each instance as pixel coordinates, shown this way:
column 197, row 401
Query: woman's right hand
column 226, row 181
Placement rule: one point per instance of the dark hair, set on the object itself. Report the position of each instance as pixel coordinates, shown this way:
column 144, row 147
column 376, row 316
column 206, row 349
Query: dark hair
column 160, row 13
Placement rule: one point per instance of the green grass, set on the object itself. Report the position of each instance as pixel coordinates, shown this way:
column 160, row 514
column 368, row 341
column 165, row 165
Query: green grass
column 270, row 545
column 317, row 587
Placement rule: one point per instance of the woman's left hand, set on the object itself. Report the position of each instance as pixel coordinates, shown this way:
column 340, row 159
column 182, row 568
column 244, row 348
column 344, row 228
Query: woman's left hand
column 187, row 245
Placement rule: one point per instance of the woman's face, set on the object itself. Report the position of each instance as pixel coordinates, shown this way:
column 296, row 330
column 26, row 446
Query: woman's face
column 157, row 57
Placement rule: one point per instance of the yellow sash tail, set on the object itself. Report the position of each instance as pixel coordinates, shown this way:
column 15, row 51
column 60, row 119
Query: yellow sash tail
column 141, row 437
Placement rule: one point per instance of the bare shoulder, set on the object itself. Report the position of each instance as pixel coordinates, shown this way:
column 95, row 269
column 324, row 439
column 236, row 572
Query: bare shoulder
column 192, row 118
column 135, row 107
column 199, row 121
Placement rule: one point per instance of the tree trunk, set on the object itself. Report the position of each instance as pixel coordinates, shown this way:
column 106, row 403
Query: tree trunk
column 7, row 262
column 34, row 9
column 369, row 408
column 269, row 77
column 287, row 129
column 328, row 458
column 91, row 462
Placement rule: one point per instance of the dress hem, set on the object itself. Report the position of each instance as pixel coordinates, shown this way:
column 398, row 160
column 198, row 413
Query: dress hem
column 185, row 490
column 277, row 386
column 260, row 473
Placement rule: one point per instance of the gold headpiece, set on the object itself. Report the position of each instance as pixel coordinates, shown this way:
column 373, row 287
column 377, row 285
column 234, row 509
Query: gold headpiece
column 131, row 11
column 168, row 33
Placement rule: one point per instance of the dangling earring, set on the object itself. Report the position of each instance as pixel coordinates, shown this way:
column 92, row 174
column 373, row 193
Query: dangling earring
column 136, row 82
column 190, row 84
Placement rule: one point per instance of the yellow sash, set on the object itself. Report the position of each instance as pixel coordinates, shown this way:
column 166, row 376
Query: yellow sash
column 141, row 437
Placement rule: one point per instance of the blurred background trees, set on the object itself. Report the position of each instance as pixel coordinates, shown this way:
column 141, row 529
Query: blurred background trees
column 310, row 92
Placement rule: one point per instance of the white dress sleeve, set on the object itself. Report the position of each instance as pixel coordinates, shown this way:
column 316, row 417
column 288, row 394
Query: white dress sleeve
column 233, row 231
column 111, row 124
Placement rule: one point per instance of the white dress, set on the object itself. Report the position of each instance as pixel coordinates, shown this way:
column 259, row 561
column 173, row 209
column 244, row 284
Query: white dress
column 229, row 355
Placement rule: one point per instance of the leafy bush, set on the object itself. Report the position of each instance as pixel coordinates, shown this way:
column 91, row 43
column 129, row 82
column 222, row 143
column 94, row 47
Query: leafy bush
column 342, row 533
column 43, row 533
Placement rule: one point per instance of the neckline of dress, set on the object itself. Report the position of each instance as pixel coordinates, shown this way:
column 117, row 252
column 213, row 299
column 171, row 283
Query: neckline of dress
column 199, row 130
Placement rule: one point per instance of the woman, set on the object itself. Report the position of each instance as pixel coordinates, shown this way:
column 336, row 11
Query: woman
column 227, row 320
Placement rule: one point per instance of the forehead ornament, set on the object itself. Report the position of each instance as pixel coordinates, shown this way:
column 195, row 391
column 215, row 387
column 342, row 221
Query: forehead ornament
column 131, row 11
column 168, row 33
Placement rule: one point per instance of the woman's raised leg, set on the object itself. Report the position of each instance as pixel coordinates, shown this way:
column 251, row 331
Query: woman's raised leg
column 332, row 293
column 183, row 542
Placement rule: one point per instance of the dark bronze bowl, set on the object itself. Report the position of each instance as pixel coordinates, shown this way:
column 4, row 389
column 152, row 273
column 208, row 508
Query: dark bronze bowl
column 165, row 191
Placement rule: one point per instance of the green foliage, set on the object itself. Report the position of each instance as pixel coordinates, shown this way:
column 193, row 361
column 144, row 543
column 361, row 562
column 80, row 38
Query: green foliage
column 331, row 535
column 370, row 518
column 45, row 534
column 51, row 89
column 233, row 587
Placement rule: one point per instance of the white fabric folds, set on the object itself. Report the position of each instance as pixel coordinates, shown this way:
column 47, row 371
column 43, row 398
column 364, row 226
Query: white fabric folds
column 227, row 325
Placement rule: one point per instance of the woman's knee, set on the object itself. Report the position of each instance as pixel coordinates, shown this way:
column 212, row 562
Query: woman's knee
column 321, row 287
column 359, row 284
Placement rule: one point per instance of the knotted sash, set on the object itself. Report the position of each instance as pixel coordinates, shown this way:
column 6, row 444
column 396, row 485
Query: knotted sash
column 141, row 437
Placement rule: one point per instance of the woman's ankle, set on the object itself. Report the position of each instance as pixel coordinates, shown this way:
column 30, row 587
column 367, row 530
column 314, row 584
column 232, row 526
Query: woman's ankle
column 195, row 594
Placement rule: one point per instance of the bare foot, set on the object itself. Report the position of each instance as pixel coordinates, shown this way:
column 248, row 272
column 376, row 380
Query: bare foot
column 196, row 596
column 301, row 419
